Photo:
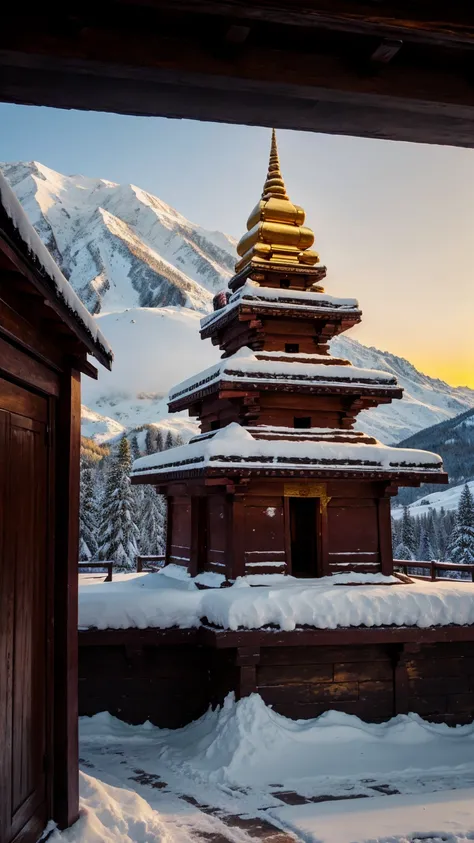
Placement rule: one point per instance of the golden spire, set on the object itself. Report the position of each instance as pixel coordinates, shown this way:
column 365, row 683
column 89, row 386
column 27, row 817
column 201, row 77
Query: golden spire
column 275, row 232
column 274, row 185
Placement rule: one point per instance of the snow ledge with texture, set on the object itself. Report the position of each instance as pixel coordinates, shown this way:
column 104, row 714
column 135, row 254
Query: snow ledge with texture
column 234, row 446
column 162, row 601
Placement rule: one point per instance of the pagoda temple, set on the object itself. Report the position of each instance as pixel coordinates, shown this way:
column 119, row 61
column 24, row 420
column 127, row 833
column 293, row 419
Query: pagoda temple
column 279, row 481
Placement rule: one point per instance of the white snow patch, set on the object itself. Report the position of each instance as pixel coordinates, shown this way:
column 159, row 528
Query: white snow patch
column 442, row 817
column 246, row 743
column 112, row 815
column 171, row 598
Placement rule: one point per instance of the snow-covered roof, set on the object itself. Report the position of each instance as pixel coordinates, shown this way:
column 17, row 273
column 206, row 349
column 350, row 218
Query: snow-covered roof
column 30, row 242
column 245, row 365
column 234, row 447
column 253, row 294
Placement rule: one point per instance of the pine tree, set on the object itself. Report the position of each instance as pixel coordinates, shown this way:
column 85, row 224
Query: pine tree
column 407, row 533
column 432, row 534
column 395, row 534
column 88, row 513
column 402, row 553
column 135, row 450
column 160, row 445
column 169, row 442
column 149, row 442
column 119, row 531
column 153, row 522
column 425, row 551
column 461, row 546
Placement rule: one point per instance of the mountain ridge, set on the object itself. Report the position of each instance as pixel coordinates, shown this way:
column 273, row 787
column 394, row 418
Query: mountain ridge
column 148, row 274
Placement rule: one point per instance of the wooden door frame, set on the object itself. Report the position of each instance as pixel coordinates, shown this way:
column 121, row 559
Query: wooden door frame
column 321, row 533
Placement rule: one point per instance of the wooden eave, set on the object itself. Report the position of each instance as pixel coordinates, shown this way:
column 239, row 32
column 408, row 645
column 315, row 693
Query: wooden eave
column 316, row 273
column 213, row 636
column 30, row 270
column 407, row 477
column 297, row 387
column 246, row 308
column 387, row 69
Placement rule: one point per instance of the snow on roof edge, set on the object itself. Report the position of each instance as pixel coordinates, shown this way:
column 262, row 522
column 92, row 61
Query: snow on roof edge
column 40, row 255
column 234, row 446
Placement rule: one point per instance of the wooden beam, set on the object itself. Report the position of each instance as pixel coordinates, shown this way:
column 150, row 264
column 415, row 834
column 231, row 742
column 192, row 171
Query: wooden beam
column 83, row 365
column 436, row 23
column 67, row 444
column 295, row 77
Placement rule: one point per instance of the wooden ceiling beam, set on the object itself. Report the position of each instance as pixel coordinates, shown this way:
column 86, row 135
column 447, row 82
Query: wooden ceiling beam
column 177, row 59
column 437, row 22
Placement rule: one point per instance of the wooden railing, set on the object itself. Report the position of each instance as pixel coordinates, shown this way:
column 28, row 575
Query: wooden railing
column 149, row 563
column 433, row 569
column 107, row 565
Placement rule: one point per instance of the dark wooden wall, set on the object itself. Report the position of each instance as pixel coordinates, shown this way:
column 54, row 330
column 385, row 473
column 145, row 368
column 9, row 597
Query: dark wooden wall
column 249, row 532
column 168, row 685
column 40, row 406
column 171, row 677
column 179, row 531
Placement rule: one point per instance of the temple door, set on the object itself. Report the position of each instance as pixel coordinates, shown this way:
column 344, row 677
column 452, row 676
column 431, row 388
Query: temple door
column 24, row 638
column 304, row 536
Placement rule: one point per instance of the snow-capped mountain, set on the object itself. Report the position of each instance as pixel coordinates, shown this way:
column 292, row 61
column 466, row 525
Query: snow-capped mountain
column 118, row 245
column 426, row 401
column 148, row 274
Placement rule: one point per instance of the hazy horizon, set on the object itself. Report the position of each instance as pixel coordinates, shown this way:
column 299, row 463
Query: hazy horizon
column 393, row 222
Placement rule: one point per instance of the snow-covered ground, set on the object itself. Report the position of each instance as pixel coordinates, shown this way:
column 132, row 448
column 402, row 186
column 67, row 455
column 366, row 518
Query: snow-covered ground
column 447, row 499
column 433, row 818
column 244, row 771
column 163, row 600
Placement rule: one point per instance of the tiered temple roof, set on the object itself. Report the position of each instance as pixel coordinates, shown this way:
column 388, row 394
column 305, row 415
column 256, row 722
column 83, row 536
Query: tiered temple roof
column 278, row 403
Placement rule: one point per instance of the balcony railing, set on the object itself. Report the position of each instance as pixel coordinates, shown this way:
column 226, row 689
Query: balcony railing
column 435, row 570
column 149, row 563
column 88, row 567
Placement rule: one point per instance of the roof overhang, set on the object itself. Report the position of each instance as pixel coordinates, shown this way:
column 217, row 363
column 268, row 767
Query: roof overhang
column 13, row 248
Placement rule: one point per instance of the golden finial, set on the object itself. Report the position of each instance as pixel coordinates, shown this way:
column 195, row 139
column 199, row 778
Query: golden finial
column 275, row 231
column 274, row 185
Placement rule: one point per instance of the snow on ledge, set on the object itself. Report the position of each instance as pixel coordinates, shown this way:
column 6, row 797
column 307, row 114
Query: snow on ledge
column 39, row 252
column 162, row 601
column 246, row 365
column 235, row 446
column 253, row 293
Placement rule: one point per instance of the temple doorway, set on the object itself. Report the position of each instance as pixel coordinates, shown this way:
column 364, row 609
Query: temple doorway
column 304, row 513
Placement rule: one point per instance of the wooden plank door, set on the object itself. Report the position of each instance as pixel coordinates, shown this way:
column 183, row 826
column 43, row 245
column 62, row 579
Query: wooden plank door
column 24, row 657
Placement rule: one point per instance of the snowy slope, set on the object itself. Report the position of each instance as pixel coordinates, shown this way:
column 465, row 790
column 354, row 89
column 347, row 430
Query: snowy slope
column 154, row 348
column 117, row 244
column 447, row 499
column 149, row 273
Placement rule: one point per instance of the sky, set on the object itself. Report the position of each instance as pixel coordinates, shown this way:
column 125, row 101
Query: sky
column 393, row 222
